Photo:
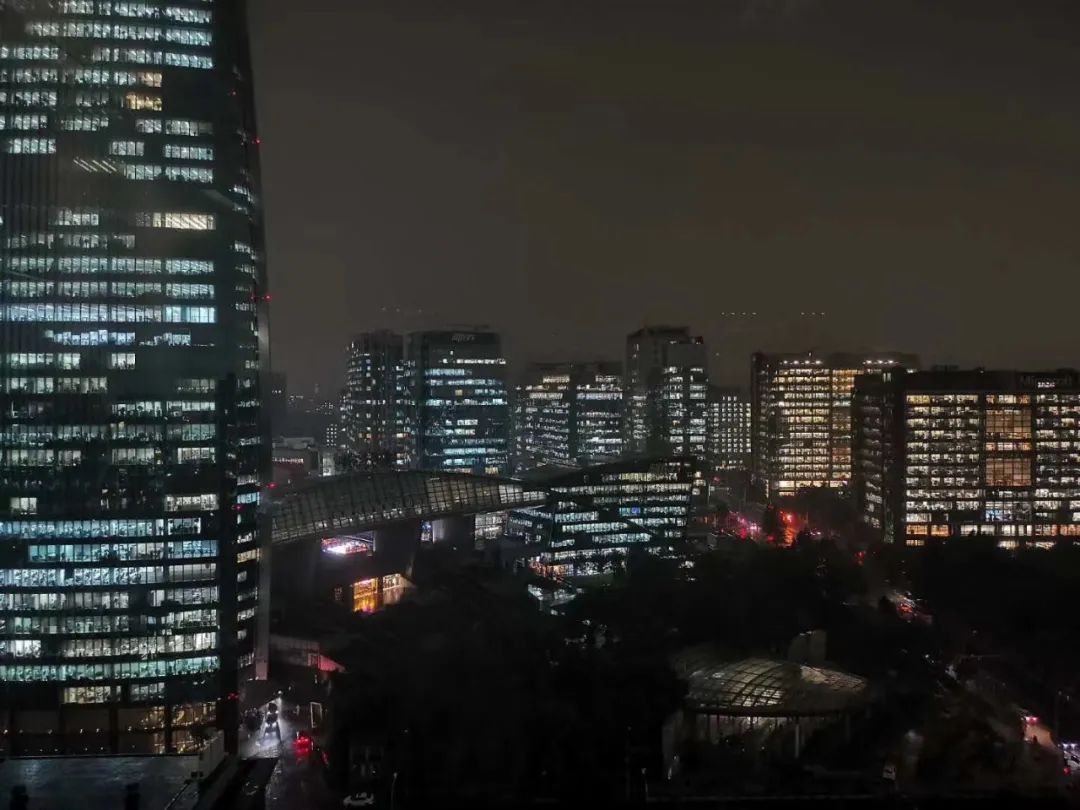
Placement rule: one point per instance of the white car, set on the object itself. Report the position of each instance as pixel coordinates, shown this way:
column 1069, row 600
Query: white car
column 359, row 800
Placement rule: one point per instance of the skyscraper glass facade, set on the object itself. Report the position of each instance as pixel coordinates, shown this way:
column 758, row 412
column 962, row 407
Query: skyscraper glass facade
column 460, row 416
column 369, row 416
column 568, row 413
column 666, row 392
column 132, row 364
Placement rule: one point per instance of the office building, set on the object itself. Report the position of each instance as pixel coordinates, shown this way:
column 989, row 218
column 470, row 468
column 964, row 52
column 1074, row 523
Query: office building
column 568, row 413
column 959, row 454
column 459, row 415
column 801, row 414
column 133, row 363
column 596, row 515
column 370, row 418
column 728, row 429
column 666, row 392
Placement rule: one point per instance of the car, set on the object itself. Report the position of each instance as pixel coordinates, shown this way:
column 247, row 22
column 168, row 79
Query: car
column 359, row 800
column 303, row 743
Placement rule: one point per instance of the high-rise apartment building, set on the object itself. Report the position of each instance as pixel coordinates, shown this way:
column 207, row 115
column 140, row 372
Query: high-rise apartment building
column 801, row 414
column 666, row 392
column 568, row 413
column 370, row 418
column 728, row 429
column 460, row 416
column 958, row 454
column 133, row 362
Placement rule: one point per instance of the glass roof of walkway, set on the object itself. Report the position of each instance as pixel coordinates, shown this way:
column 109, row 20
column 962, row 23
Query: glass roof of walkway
column 761, row 687
column 360, row 501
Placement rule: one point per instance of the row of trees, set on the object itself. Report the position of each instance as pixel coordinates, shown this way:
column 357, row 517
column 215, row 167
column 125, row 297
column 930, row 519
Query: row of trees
column 1018, row 605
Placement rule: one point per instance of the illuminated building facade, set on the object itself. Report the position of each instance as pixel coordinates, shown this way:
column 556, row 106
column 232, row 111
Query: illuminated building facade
column 666, row 392
column 370, row 409
column 954, row 454
column 729, row 429
column 597, row 514
column 568, row 413
column 459, row 415
column 133, row 362
column 801, row 417
column 373, row 593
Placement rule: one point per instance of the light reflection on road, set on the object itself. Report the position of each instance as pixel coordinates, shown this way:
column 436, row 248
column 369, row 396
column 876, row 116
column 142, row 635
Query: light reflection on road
column 297, row 782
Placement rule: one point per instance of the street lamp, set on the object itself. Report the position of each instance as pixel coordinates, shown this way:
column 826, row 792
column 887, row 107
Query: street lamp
column 393, row 784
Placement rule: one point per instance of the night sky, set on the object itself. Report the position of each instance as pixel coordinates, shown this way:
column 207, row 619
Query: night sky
column 566, row 171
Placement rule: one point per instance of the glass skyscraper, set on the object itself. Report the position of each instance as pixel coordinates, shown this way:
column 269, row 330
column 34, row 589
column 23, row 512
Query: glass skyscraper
column 133, row 357
column 666, row 392
column 457, row 394
column 568, row 413
column 373, row 368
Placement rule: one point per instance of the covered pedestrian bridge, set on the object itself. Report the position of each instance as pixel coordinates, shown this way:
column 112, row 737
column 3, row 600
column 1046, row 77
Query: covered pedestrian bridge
column 358, row 502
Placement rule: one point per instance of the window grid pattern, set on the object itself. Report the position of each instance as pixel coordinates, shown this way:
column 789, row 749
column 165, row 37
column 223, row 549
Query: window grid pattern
column 101, row 572
column 597, row 514
column 964, row 454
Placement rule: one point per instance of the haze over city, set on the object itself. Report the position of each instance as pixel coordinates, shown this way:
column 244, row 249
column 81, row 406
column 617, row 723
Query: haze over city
column 508, row 403
column 566, row 172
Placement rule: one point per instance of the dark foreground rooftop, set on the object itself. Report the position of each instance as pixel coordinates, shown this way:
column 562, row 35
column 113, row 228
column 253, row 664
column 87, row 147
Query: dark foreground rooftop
column 98, row 783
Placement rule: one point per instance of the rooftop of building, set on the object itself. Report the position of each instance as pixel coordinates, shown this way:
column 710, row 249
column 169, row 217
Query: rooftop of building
column 552, row 474
column 763, row 687
column 838, row 359
column 570, row 366
column 99, row 783
column 660, row 330
column 942, row 378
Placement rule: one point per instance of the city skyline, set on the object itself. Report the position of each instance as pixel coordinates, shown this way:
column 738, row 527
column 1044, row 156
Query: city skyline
column 567, row 173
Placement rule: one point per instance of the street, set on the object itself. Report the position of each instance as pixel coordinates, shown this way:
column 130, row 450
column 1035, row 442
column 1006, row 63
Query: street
column 297, row 782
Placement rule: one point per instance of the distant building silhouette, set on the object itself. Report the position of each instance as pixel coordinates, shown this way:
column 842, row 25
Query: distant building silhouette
column 278, row 403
